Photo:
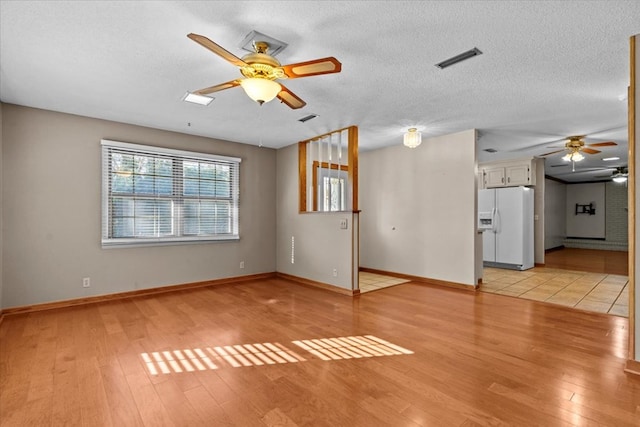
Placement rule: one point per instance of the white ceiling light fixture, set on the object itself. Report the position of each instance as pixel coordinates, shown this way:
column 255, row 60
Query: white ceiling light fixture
column 197, row 99
column 574, row 156
column 412, row 138
column 619, row 178
column 260, row 89
column 610, row 159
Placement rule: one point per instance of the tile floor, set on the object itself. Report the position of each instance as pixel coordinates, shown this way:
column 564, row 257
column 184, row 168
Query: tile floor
column 373, row 282
column 602, row 293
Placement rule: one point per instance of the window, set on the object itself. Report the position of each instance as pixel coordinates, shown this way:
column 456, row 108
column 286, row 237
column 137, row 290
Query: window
column 158, row 195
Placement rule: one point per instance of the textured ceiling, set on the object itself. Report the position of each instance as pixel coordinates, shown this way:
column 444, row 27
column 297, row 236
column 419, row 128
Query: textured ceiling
column 548, row 69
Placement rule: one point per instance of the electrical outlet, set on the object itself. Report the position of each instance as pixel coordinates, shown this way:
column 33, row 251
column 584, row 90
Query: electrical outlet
column 86, row 282
column 335, row 272
column 343, row 223
column 241, row 264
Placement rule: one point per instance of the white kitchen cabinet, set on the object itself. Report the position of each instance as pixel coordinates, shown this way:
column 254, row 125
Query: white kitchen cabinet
column 508, row 174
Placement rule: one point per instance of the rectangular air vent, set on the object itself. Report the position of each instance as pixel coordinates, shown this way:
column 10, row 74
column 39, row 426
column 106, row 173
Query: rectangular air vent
column 307, row 118
column 459, row 58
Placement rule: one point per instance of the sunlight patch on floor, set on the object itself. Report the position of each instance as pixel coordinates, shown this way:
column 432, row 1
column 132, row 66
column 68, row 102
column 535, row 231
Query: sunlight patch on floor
column 260, row 354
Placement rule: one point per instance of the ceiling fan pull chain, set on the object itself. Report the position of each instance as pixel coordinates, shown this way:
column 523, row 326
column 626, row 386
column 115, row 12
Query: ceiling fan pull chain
column 260, row 124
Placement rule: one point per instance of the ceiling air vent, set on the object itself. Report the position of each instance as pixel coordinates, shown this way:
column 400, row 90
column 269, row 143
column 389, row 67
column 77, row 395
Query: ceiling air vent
column 307, row 118
column 490, row 150
column 459, row 58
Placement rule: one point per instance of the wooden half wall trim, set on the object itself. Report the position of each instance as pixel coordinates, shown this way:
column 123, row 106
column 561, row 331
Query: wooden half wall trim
column 632, row 362
column 320, row 285
column 420, row 279
column 130, row 294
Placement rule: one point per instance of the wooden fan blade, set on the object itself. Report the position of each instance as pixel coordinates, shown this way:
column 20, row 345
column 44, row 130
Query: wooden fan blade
column 217, row 49
column 602, row 144
column 217, row 88
column 290, row 98
column 313, row 68
column 553, row 152
column 590, row 150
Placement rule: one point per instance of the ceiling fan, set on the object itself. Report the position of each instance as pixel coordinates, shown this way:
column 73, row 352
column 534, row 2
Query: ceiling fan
column 261, row 70
column 620, row 175
column 575, row 146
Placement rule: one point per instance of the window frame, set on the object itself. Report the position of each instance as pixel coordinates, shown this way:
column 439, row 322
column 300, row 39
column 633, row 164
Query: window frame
column 177, row 196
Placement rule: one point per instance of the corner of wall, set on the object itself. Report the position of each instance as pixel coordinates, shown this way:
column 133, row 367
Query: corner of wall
column 1, row 206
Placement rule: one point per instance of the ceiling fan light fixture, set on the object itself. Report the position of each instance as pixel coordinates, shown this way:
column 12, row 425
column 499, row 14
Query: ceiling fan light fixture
column 619, row 178
column 574, row 156
column 260, row 90
column 412, row 138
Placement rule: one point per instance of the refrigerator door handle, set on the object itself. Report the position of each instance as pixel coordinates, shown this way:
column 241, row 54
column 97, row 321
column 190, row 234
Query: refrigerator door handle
column 496, row 220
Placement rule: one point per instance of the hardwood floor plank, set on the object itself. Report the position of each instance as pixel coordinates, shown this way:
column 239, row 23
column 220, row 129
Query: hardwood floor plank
column 206, row 407
column 122, row 406
column 150, row 406
column 94, row 403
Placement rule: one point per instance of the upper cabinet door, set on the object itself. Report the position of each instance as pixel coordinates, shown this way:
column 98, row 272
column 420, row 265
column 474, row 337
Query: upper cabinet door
column 494, row 177
column 518, row 175
column 508, row 174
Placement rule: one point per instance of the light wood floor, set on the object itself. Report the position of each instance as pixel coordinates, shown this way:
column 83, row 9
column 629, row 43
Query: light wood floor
column 369, row 282
column 273, row 353
column 585, row 279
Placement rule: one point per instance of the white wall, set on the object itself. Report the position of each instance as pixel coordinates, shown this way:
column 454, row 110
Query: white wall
column 584, row 225
column 419, row 209
column 51, row 211
column 555, row 208
column 320, row 245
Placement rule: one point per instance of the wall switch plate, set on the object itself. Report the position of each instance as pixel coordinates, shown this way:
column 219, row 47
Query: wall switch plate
column 241, row 264
column 335, row 272
column 343, row 224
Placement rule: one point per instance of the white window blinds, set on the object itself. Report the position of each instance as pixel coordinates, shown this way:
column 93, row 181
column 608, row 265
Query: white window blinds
column 158, row 195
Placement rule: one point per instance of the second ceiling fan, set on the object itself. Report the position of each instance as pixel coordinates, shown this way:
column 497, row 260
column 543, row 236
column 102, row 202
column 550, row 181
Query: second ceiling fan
column 575, row 146
column 261, row 70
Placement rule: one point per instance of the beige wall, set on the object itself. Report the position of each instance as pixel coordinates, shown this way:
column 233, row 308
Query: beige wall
column 320, row 245
column 419, row 209
column 51, row 211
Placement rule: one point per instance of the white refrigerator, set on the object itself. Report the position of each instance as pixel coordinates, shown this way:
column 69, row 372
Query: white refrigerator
column 505, row 216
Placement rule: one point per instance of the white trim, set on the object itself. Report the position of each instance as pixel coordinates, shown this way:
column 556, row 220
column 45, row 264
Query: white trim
column 170, row 151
